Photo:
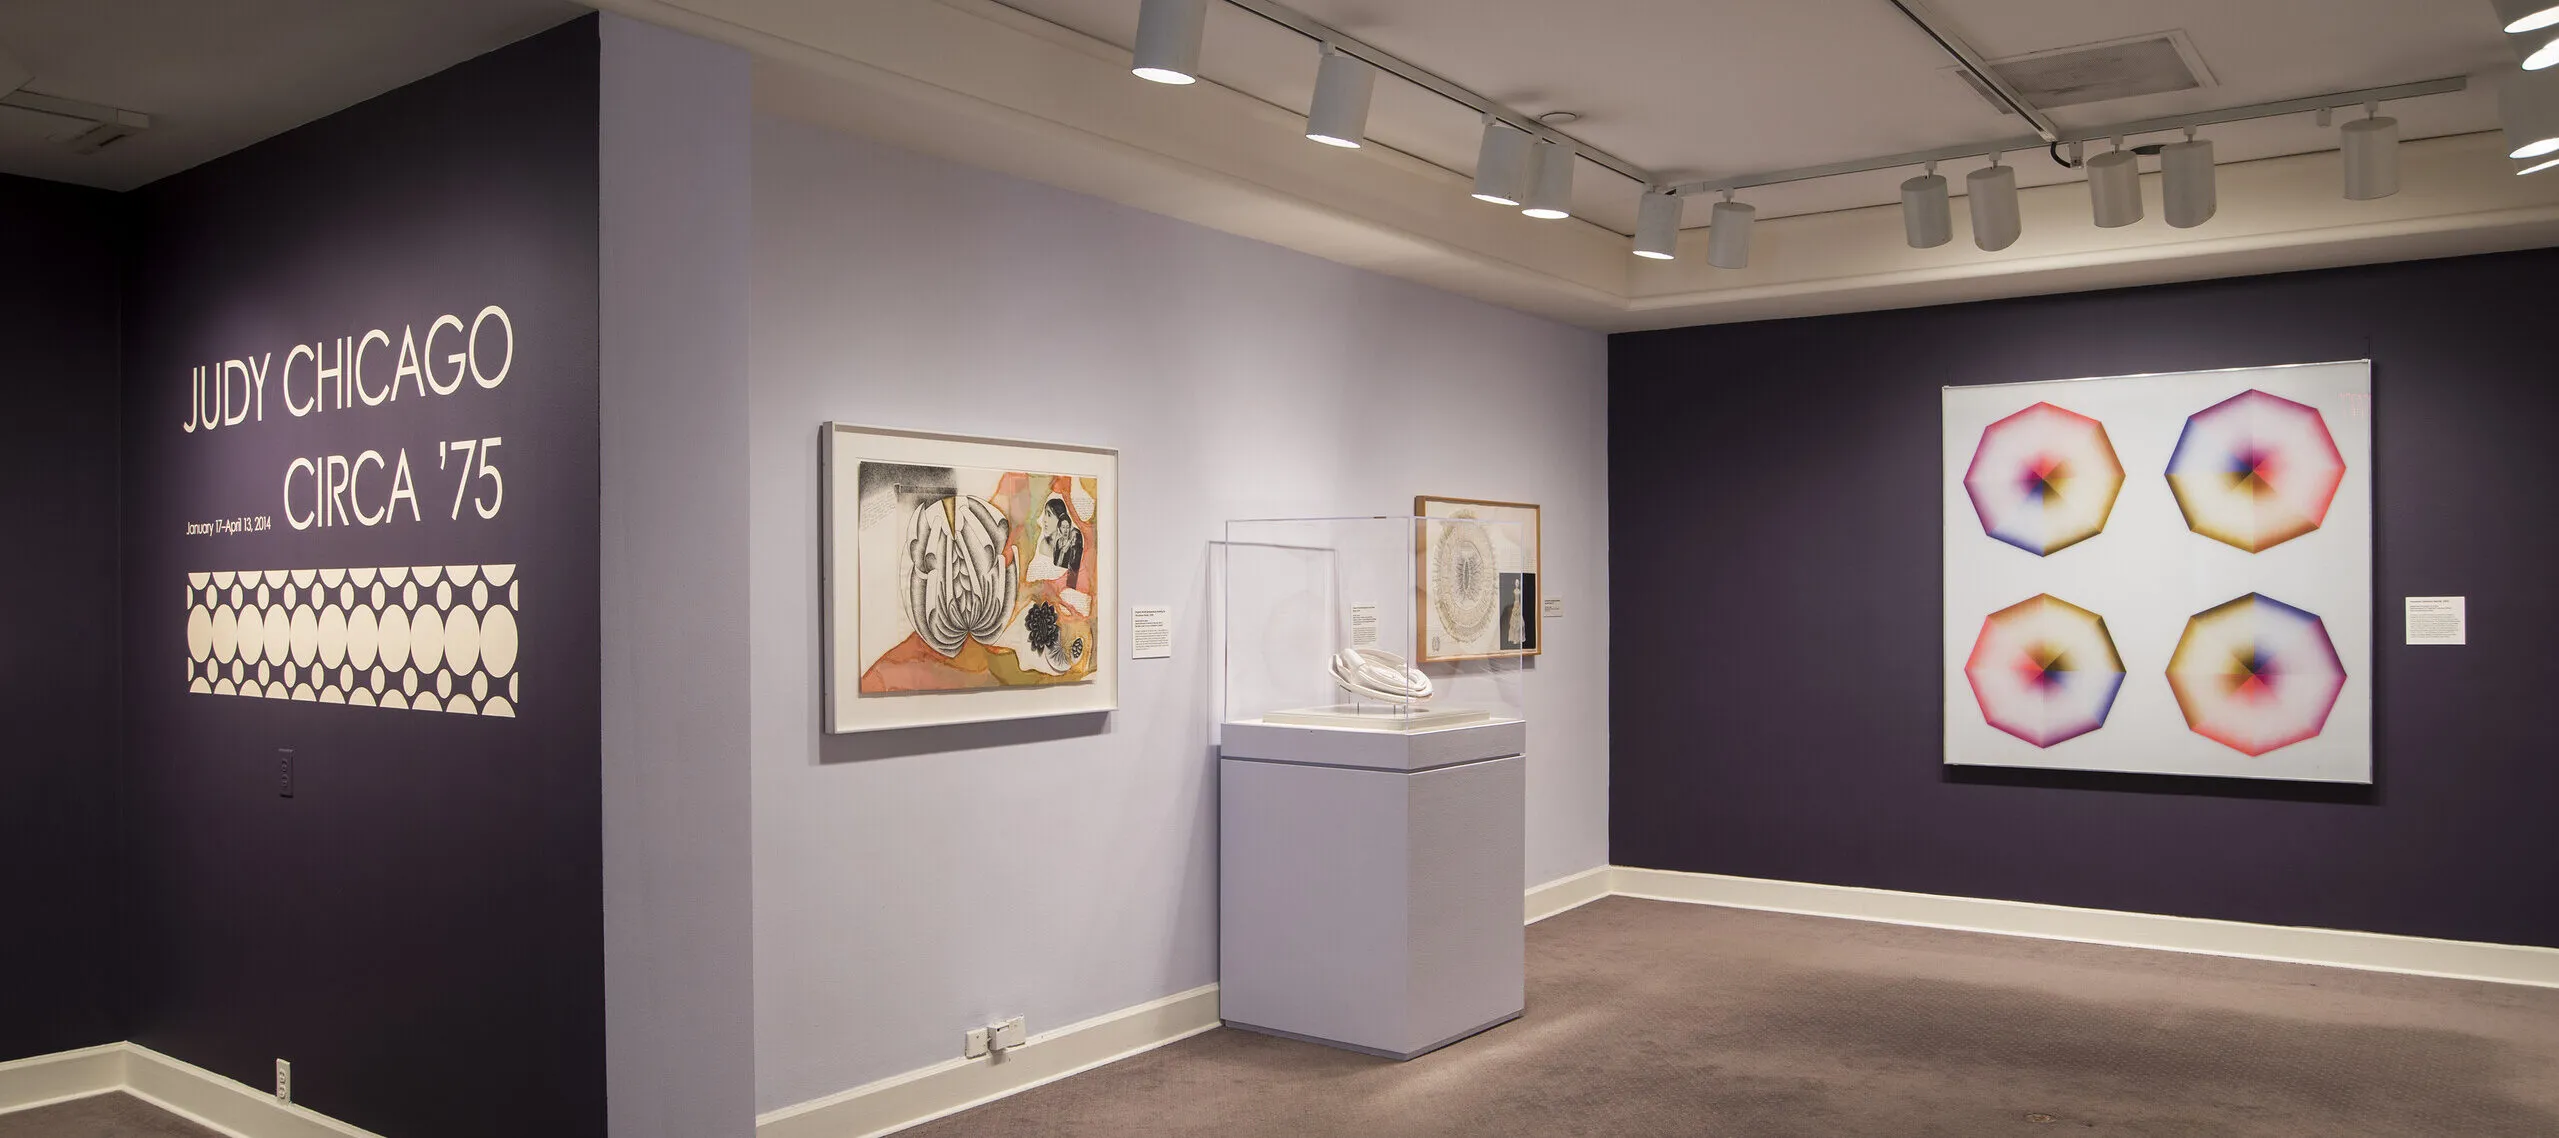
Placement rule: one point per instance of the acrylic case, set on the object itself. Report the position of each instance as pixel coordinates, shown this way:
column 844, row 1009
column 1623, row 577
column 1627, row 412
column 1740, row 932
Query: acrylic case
column 1312, row 601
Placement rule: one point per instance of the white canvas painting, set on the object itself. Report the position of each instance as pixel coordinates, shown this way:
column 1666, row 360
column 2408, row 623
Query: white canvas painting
column 2162, row 574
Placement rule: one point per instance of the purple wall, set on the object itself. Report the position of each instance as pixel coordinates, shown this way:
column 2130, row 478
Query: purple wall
column 1776, row 696
column 58, row 616
column 419, row 927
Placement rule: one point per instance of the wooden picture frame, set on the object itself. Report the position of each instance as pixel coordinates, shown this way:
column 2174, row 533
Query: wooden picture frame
column 1517, row 627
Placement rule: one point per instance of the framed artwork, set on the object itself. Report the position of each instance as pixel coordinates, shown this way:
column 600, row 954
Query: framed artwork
column 965, row 579
column 2162, row 574
column 1478, row 582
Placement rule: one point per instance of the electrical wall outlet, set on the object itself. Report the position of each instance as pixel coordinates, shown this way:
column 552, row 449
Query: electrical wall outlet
column 284, row 1075
column 974, row 1047
column 1010, row 1034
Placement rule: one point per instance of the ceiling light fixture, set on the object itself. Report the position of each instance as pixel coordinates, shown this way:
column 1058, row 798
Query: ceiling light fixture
column 2187, row 181
column 2519, row 16
column 2528, row 105
column 1991, row 193
column 1728, row 234
column 2114, row 187
column 1339, row 116
column 1505, row 164
column 2525, row 166
column 1657, row 224
column 2544, row 57
column 2372, row 155
column 1927, row 216
column 1550, row 196
column 1168, row 41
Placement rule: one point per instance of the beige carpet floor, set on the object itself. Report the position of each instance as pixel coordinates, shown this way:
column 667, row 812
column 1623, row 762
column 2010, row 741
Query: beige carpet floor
column 110, row 1115
column 1651, row 1018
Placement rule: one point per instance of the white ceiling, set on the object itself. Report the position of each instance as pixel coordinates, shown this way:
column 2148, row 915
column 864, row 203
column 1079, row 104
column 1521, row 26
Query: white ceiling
column 1711, row 88
column 217, row 75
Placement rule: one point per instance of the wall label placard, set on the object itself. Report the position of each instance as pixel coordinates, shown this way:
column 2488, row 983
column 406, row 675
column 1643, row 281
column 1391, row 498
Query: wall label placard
column 1150, row 632
column 1364, row 626
column 2438, row 620
column 1551, row 608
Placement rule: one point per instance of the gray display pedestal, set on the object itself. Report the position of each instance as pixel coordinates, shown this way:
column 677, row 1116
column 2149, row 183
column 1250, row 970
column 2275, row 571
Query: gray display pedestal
column 1369, row 883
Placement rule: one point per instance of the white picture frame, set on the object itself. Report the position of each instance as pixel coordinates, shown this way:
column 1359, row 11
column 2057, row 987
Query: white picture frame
column 2158, row 581
column 868, row 586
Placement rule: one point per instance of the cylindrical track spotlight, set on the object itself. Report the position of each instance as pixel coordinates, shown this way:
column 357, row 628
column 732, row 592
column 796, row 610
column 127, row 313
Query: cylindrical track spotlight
column 1339, row 116
column 2187, row 181
column 2114, row 187
column 1657, row 224
column 1991, row 192
column 1927, row 217
column 1728, row 234
column 1550, row 194
column 2528, row 104
column 1505, row 164
column 2372, row 158
column 1168, row 40
column 2518, row 16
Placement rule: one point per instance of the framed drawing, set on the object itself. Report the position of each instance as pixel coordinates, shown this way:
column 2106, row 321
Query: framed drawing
column 965, row 579
column 1478, row 584
column 2162, row 574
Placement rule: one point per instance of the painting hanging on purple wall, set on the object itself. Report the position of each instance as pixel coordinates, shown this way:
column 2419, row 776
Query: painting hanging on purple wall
column 2162, row 574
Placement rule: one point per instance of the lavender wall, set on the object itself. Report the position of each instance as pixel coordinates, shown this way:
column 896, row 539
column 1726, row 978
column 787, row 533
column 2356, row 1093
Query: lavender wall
column 1239, row 381
column 1778, row 714
column 419, row 927
column 57, row 617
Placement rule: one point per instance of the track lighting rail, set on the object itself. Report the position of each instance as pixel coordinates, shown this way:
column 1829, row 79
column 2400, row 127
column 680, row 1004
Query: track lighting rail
column 2355, row 98
column 1435, row 83
column 1971, row 61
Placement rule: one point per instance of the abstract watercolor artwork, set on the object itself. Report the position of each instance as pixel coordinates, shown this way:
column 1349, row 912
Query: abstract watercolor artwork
column 2194, row 556
column 2045, row 670
column 968, row 579
column 2255, row 470
column 2044, row 479
column 1477, row 574
column 994, row 574
column 2254, row 674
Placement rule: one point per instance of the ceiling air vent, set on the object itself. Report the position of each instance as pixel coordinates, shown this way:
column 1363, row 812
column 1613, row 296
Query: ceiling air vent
column 2152, row 64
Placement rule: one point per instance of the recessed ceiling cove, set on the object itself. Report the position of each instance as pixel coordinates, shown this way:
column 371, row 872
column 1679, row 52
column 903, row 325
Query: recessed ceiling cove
column 210, row 78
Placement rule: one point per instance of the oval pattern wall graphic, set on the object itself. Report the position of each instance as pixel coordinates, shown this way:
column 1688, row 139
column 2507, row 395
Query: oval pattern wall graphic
column 2255, row 471
column 2044, row 479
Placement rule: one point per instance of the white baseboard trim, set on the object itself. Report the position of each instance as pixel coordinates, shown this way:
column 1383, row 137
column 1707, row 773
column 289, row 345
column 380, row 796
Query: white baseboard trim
column 224, row 1106
column 2336, row 948
column 920, row 1096
column 237, row 1110
column 60, row 1077
column 916, row 1097
column 1569, row 892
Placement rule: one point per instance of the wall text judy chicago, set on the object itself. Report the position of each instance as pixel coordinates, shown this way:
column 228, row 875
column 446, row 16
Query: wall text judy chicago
column 367, row 486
